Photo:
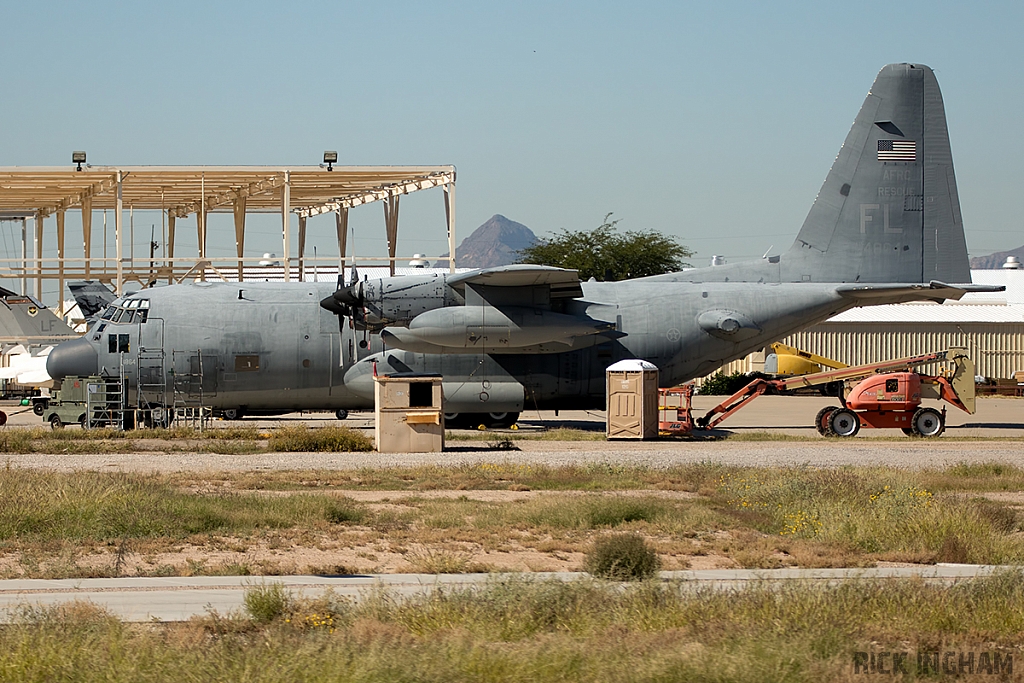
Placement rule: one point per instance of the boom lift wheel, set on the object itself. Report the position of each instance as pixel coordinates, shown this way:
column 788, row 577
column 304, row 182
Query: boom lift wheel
column 822, row 418
column 843, row 422
column 928, row 422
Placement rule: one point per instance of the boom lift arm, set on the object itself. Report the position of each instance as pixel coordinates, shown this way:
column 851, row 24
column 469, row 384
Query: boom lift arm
column 784, row 349
column 946, row 389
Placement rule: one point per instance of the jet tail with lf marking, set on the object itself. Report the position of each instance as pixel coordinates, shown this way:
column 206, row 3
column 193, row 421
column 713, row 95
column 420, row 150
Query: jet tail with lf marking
column 888, row 211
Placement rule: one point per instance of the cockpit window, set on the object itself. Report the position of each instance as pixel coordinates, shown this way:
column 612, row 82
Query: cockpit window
column 127, row 311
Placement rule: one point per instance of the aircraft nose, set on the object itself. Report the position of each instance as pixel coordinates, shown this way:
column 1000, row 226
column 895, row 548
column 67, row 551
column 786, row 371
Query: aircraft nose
column 75, row 357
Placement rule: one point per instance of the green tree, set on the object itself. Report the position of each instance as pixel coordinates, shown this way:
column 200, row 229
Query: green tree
column 606, row 254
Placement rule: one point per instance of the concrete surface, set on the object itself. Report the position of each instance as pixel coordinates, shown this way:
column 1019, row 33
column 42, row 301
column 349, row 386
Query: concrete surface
column 178, row 598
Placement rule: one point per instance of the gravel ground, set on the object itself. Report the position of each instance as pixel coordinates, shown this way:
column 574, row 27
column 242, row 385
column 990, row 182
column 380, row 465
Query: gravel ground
column 916, row 454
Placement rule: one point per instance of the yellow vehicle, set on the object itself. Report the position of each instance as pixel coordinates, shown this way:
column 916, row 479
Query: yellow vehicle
column 787, row 361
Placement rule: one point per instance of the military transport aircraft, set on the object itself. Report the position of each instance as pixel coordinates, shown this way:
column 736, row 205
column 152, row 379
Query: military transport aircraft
column 885, row 228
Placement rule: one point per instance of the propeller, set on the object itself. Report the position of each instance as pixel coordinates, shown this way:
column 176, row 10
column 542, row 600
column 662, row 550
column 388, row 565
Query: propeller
column 347, row 301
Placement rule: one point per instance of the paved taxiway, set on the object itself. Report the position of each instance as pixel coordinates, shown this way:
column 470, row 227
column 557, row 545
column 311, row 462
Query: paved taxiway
column 178, row 599
column 995, row 426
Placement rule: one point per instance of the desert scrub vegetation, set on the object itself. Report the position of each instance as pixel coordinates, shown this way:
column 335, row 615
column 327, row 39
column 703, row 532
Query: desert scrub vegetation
column 300, row 438
column 266, row 602
column 888, row 513
column 226, row 440
column 37, row 506
column 45, row 440
column 506, row 475
column 515, row 630
column 622, row 557
column 69, row 524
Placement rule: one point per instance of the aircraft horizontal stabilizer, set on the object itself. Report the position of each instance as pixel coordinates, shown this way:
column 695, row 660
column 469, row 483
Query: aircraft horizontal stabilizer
column 875, row 295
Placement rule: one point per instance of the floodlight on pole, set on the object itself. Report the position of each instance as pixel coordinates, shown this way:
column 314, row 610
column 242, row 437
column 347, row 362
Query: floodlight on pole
column 78, row 158
column 330, row 157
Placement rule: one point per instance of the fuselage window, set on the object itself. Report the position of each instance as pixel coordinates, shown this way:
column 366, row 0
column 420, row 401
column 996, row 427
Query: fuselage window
column 108, row 313
column 144, row 303
column 123, row 344
column 128, row 316
column 117, row 316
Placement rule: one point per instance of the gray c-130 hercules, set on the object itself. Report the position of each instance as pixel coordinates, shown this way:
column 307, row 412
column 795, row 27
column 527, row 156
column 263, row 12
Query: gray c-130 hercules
column 885, row 228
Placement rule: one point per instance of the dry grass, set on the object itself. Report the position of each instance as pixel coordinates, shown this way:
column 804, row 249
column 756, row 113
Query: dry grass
column 92, row 524
column 303, row 439
column 515, row 630
column 228, row 440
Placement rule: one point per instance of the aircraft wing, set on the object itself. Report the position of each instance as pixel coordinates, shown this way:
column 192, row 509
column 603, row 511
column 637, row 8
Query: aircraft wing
column 564, row 283
column 873, row 295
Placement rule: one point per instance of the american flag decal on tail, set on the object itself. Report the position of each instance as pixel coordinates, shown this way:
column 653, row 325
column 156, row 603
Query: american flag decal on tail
column 897, row 150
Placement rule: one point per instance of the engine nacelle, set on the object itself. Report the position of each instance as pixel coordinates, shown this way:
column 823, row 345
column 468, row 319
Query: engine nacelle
column 496, row 330
column 397, row 300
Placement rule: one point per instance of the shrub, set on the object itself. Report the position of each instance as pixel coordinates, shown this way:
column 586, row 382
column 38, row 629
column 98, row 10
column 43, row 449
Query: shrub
column 302, row 439
column 266, row 602
column 622, row 557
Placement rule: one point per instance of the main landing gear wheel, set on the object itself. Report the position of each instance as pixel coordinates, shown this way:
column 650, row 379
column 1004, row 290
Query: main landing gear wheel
column 502, row 420
column 233, row 414
column 341, row 414
column 928, row 422
column 55, row 422
column 821, row 419
column 843, row 422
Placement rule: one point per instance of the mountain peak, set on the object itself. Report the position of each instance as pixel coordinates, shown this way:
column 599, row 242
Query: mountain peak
column 497, row 242
column 996, row 260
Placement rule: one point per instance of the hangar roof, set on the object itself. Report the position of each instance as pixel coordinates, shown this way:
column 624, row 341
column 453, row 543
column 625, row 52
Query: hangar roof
column 184, row 190
column 981, row 307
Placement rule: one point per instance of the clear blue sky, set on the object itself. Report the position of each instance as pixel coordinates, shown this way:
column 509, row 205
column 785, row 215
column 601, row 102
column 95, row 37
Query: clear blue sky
column 716, row 122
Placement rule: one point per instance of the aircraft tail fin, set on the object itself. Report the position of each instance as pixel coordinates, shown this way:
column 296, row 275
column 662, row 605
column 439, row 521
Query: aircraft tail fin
column 888, row 210
column 91, row 296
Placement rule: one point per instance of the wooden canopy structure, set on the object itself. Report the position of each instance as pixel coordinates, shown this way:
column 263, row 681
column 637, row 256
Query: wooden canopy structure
column 36, row 193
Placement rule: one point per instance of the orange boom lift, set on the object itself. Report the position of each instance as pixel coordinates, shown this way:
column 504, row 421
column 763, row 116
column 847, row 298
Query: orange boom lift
column 887, row 394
